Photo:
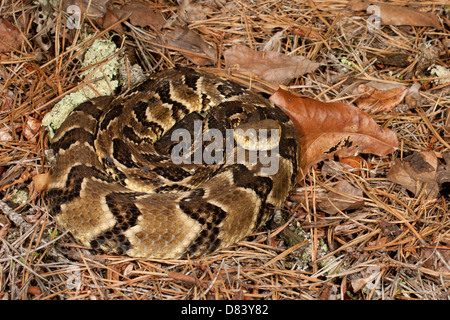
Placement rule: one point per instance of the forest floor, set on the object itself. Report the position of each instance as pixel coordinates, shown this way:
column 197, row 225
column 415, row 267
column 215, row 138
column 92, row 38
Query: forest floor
column 384, row 235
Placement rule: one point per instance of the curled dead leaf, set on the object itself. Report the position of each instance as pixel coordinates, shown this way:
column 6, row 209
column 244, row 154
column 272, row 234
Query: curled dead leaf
column 354, row 162
column 141, row 14
column 31, row 129
column 128, row 270
column 343, row 196
column 111, row 19
column 437, row 259
column 365, row 279
column 10, row 37
column 328, row 129
column 335, row 169
column 396, row 15
column 182, row 277
column 4, row 226
column 34, row 290
column 93, row 9
column 271, row 66
column 5, row 134
column 192, row 46
column 375, row 101
column 412, row 97
column 415, row 172
column 398, row 59
column 193, row 11
column 389, row 230
column 6, row 101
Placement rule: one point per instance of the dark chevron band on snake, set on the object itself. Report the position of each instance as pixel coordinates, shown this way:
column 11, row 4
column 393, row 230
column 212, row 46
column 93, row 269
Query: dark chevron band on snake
column 116, row 190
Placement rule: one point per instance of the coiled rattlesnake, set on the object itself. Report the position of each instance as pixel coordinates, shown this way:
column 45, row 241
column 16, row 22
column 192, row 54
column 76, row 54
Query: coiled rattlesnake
column 115, row 185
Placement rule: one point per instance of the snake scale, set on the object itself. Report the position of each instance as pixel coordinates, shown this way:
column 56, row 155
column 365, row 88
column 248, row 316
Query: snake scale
column 116, row 188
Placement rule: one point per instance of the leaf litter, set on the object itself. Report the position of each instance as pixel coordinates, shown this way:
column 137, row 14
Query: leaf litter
column 271, row 66
column 329, row 129
column 369, row 218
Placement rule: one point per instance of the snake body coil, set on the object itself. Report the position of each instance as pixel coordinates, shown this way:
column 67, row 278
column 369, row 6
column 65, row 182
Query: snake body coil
column 116, row 188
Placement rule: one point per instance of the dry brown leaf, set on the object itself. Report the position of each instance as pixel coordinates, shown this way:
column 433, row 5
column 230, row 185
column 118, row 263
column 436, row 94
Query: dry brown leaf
column 334, row 168
column 193, row 11
column 34, row 290
column 412, row 97
column 354, row 162
column 6, row 101
column 433, row 261
column 326, row 129
column 33, row 218
column 31, row 128
column 95, row 9
column 397, row 59
column 351, row 225
column 128, row 271
column 415, row 172
column 358, row 284
column 141, row 14
column 271, row 66
column 5, row 134
column 426, row 57
column 192, row 46
column 376, row 101
column 365, row 278
column 397, row 15
column 110, row 19
column 389, row 230
column 402, row 16
column 10, row 37
column 4, row 231
column 343, row 197
column 4, row 226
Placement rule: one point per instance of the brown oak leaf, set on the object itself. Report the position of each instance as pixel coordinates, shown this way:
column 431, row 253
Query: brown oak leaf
column 10, row 37
column 375, row 101
column 328, row 129
column 271, row 66
column 415, row 172
column 396, row 15
column 192, row 46
column 141, row 14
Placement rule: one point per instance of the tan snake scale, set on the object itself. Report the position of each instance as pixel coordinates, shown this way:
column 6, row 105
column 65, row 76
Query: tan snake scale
column 115, row 188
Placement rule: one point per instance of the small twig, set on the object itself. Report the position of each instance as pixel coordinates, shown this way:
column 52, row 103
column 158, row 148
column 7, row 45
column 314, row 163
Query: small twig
column 13, row 216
